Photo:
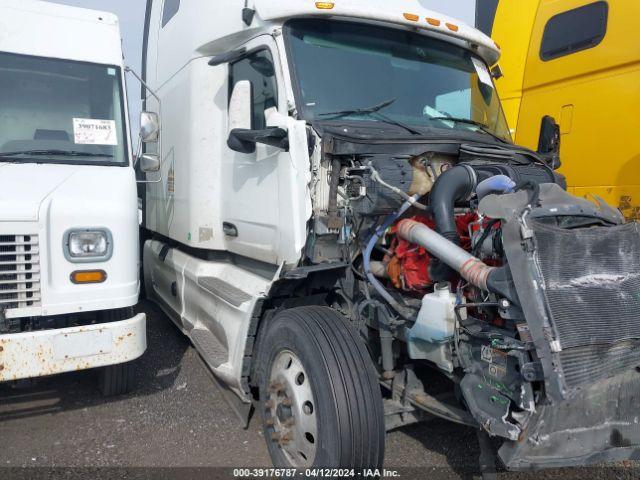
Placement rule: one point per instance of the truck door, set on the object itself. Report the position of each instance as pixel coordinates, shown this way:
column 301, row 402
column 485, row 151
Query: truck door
column 258, row 200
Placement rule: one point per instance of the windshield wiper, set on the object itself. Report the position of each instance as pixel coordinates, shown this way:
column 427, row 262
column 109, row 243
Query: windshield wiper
column 375, row 113
column 47, row 153
column 485, row 128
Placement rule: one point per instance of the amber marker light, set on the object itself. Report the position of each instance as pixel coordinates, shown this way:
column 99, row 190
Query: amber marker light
column 412, row 17
column 88, row 276
column 452, row 27
column 433, row 21
column 325, row 5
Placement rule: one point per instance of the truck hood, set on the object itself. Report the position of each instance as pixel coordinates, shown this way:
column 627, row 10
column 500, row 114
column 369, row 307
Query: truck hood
column 24, row 186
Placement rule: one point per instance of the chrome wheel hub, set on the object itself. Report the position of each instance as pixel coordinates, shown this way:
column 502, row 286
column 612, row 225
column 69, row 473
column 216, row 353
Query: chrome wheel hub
column 291, row 411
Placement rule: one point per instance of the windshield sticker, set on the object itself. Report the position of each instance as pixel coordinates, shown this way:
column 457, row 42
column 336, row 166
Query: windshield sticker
column 483, row 72
column 88, row 131
column 111, row 72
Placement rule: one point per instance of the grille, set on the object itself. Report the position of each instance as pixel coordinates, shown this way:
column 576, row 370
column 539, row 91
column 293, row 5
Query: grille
column 19, row 271
column 592, row 284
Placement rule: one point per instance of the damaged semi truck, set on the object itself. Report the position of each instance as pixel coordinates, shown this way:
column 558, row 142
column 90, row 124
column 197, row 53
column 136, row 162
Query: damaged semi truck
column 345, row 231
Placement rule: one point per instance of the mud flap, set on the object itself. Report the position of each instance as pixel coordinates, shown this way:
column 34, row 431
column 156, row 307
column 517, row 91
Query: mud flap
column 600, row 423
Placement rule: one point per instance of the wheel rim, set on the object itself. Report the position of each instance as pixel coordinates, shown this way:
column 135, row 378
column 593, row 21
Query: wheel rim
column 291, row 418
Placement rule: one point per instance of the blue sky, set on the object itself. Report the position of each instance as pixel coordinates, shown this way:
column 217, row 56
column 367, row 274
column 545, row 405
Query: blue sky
column 131, row 14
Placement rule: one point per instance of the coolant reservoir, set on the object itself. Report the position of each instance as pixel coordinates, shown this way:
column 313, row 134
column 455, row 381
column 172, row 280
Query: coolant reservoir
column 436, row 319
column 427, row 339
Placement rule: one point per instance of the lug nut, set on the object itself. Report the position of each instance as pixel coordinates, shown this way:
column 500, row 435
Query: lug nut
column 276, row 387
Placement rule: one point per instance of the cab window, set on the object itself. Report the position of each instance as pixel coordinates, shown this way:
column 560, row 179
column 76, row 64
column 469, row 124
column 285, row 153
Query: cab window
column 257, row 68
column 574, row 30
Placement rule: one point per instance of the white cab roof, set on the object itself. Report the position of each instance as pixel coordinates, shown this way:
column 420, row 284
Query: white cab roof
column 46, row 29
column 402, row 12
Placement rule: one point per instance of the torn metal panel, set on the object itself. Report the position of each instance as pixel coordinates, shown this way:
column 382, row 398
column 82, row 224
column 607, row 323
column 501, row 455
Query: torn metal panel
column 602, row 424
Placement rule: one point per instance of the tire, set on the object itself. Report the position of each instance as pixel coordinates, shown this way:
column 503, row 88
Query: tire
column 116, row 379
column 315, row 374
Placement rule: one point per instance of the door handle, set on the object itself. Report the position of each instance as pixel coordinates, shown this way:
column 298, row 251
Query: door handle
column 229, row 229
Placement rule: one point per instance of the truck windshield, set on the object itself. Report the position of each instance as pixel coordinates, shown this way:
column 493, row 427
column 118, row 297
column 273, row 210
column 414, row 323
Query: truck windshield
column 344, row 69
column 60, row 111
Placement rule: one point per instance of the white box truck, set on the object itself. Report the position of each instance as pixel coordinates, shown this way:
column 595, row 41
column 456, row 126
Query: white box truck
column 69, row 251
column 345, row 231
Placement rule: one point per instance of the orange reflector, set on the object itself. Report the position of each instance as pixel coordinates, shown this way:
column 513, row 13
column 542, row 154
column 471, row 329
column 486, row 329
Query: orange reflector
column 452, row 27
column 324, row 5
column 411, row 17
column 89, row 276
column 433, row 21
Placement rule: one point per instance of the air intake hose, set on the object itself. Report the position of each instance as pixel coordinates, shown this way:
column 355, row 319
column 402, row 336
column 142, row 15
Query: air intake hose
column 472, row 269
column 457, row 183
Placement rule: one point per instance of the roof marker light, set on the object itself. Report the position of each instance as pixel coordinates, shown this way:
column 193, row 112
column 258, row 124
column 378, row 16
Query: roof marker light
column 412, row 17
column 452, row 27
column 433, row 21
column 325, row 5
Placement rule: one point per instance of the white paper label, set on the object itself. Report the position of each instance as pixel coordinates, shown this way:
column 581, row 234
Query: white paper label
column 482, row 71
column 88, row 131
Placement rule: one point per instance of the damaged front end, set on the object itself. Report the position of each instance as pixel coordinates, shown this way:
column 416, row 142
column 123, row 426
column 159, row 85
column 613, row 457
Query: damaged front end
column 487, row 294
column 576, row 270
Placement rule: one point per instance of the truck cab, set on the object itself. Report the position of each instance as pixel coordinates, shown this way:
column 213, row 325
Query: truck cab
column 346, row 232
column 68, row 205
column 570, row 68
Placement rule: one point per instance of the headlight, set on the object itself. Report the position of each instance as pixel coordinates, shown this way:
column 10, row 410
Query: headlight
column 88, row 245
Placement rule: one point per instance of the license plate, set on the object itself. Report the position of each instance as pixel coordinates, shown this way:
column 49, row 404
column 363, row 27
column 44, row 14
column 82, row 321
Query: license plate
column 82, row 344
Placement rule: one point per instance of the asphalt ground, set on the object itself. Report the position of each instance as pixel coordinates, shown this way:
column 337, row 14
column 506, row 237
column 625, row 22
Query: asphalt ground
column 176, row 424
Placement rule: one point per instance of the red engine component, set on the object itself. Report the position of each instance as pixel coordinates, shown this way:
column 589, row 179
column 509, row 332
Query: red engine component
column 408, row 264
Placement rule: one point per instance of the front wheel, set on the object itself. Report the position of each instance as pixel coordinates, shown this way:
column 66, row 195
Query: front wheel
column 116, row 379
column 320, row 401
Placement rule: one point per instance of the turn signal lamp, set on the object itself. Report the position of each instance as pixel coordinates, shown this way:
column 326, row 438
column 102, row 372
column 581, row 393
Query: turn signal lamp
column 433, row 21
column 412, row 17
column 325, row 5
column 88, row 276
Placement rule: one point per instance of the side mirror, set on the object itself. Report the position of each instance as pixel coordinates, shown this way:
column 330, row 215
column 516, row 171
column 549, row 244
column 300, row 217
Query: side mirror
column 549, row 141
column 244, row 141
column 240, row 105
column 149, row 127
column 149, row 162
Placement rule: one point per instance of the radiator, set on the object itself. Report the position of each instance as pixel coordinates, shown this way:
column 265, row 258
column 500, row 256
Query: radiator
column 591, row 282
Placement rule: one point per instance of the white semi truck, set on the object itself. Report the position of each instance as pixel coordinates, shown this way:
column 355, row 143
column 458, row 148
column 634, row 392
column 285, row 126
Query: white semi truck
column 69, row 251
column 345, row 231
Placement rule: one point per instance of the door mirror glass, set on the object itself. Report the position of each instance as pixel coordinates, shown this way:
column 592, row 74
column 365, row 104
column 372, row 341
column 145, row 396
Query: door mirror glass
column 149, row 127
column 149, row 162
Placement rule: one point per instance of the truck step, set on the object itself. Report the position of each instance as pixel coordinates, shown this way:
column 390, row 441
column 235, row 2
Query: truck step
column 212, row 351
column 224, row 290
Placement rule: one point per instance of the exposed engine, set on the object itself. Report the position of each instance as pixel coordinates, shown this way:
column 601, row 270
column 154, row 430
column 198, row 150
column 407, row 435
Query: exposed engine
column 459, row 258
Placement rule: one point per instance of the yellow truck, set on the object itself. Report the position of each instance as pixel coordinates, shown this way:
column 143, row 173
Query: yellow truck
column 571, row 80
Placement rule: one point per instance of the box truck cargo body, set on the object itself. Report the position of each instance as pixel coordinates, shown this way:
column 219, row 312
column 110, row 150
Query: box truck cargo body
column 68, row 205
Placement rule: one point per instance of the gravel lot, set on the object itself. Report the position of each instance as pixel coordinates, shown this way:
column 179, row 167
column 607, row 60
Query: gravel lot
column 62, row 427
